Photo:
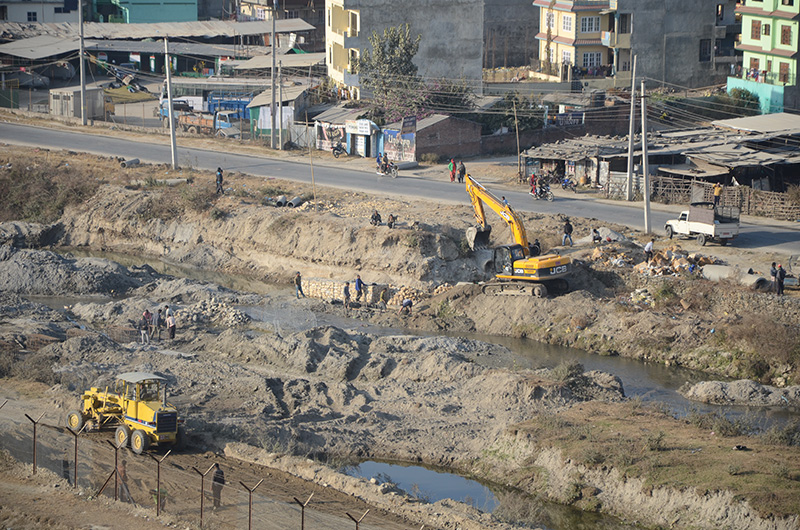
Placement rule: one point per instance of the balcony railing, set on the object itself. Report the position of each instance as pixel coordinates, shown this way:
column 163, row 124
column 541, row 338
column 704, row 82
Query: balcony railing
column 762, row 76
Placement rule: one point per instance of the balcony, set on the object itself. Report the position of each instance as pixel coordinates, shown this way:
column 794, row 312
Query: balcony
column 351, row 80
column 763, row 77
column 613, row 39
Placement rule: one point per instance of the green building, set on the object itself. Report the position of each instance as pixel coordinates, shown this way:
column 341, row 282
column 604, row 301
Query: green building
column 769, row 42
column 145, row 11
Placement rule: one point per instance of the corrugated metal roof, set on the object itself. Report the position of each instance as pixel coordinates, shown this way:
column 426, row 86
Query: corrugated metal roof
column 100, row 30
column 421, row 124
column 182, row 48
column 339, row 115
column 289, row 60
column 289, row 93
column 40, row 47
column 780, row 122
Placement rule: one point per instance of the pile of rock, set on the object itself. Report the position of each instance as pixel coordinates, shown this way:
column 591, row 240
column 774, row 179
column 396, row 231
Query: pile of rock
column 442, row 289
column 614, row 255
column 673, row 260
column 415, row 295
column 212, row 311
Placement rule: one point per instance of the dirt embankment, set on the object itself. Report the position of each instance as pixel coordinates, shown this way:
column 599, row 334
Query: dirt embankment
column 692, row 322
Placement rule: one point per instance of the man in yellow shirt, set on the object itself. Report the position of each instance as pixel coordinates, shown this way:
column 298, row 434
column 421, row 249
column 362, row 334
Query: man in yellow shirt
column 717, row 193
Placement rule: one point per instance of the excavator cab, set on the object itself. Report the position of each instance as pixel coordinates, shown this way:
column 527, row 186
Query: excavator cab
column 504, row 258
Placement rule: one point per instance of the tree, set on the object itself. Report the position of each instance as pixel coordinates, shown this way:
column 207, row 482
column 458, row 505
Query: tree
column 388, row 73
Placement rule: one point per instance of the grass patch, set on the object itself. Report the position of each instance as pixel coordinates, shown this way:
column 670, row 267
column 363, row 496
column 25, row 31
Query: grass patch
column 678, row 453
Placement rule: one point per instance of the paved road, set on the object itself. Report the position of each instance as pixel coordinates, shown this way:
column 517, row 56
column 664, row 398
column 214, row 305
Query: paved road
column 764, row 235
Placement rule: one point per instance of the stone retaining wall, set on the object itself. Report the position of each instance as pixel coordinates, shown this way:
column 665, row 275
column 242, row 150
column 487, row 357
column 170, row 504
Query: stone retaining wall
column 330, row 290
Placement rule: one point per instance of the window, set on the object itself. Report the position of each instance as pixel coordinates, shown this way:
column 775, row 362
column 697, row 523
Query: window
column 592, row 59
column 720, row 11
column 31, row 16
column 566, row 23
column 765, row 29
column 787, row 2
column 753, row 63
column 590, row 24
column 755, row 30
column 291, row 13
column 786, row 35
column 3, row 12
column 566, row 56
column 783, row 73
column 705, row 50
column 550, row 20
column 625, row 23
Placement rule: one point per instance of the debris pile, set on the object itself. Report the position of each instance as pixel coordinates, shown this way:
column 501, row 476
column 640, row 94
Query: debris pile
column 673, row 260
column 214, row 311
column 442, row 289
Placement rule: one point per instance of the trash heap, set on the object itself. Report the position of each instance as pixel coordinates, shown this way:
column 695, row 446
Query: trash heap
column 674, row 260
column 642, row 297
column 213, row 311
column 667, row 261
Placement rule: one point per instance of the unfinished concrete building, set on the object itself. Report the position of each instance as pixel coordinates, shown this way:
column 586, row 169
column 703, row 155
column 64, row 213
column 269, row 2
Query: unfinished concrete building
column 509, row 33
column 451, row 45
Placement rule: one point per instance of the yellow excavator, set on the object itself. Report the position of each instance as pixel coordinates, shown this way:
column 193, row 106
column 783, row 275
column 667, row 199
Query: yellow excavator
column 518, row 269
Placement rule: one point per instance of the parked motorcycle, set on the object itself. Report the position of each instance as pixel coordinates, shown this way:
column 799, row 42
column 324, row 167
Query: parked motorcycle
column 388, row 169
column 338, row 149
column 568, row 184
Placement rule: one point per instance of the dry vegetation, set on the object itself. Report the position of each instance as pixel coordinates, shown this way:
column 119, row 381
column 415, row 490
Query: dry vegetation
column 694, row 452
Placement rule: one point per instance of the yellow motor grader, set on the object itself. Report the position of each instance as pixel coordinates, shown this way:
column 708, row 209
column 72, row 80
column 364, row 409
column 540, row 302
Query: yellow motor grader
column 138, row 406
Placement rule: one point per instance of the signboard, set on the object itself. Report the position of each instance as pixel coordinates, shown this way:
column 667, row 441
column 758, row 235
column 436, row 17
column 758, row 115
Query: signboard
column 329, row 135
column 569, row 118
column 399, row 147
column 409, row 125
column 360, row 127
column 135, row 58
column 102, row 56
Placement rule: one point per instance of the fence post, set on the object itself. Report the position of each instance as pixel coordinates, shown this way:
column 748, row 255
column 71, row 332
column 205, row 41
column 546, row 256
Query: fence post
column 202, row 489
column 158, row 480
column 75, row 434
column 250, row 504
column 303, row 510
column 35, row 424
column 357, row 521
column 114, row 473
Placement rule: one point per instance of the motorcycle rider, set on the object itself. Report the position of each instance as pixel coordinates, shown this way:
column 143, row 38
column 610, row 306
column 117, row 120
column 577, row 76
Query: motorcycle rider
column 385, row 164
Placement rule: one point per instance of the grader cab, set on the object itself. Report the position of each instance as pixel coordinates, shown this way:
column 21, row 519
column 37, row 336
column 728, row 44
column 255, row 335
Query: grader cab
column 137, row 406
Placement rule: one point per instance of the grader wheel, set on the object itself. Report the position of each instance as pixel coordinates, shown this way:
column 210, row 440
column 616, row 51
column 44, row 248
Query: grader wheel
column 75, row 421
column 122, row 435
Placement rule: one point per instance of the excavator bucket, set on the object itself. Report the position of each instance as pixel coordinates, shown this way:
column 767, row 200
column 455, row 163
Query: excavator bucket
column 478, row 237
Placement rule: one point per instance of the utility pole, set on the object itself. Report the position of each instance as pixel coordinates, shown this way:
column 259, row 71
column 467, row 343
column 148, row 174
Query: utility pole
column 516, row 128
column 82, row 67
column 272, row 73
column 645, row 165
column 168, row 69
column 280, row 106
column 631, row 130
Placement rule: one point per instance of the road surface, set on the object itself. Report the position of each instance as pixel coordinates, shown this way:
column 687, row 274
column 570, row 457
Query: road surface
column 759, row 234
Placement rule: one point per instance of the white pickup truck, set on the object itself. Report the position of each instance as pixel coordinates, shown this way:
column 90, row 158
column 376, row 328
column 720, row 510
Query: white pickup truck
column 706, row 222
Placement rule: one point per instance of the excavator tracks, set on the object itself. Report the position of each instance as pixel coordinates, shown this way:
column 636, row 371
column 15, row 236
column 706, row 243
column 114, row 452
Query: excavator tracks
column 539, row 290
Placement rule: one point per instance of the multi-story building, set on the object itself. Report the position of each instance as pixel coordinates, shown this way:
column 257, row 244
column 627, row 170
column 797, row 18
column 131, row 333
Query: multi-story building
column 676, row 42
column 144, row 11
column 451, row 46
column 44, row 11
column 509, row 33
column 769, row 44
column 570, row 36
column 311, row 12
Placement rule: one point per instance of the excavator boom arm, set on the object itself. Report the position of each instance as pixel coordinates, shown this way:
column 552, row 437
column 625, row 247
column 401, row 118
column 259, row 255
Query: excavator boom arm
column 480, row 195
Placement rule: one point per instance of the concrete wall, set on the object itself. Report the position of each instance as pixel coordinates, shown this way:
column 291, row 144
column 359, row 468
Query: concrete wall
column 666, row 38
column 450, row 138
column 509, row 33
column 452, row 32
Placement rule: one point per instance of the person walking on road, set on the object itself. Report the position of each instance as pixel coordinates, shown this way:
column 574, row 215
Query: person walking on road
column 452, row 168
column 220, row 191
column 298, row 285
column 567, row 233
column 462, row 171
column 217, row 482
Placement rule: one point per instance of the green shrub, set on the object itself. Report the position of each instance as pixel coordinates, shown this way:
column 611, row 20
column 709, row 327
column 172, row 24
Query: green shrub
column 566, row 371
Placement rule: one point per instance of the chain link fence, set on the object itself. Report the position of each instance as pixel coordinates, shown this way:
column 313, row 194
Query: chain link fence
column 59, row 451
